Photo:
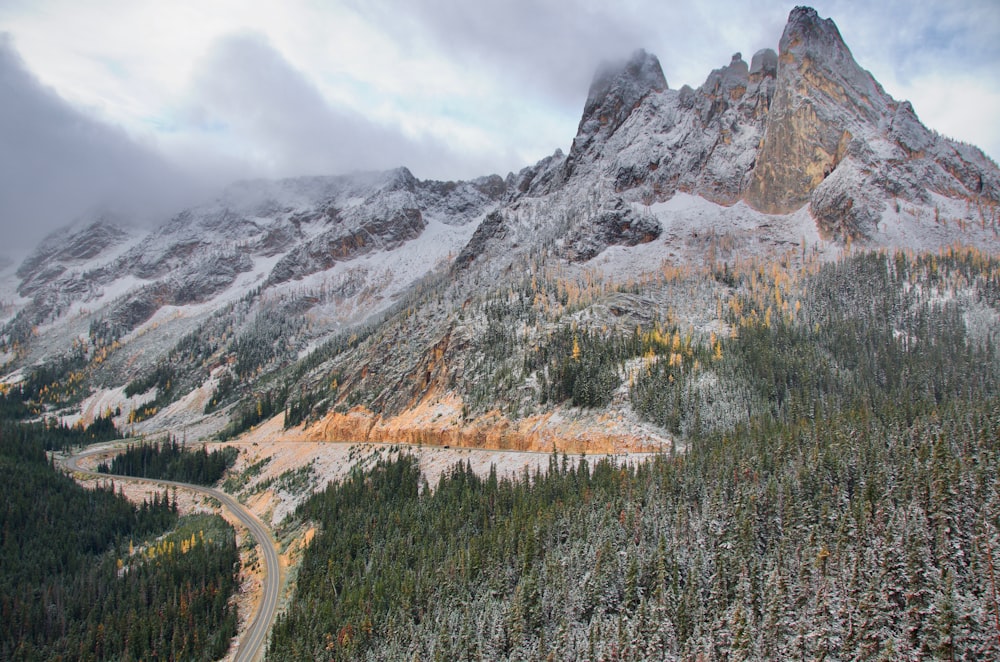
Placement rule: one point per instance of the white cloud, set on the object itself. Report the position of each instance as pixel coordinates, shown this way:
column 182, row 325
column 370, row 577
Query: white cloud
column 57, row 162
column 248, row 97
column 507, row 78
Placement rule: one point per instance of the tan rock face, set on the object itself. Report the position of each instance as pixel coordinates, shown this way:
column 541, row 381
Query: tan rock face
column 804, row 141
column 795, row 156
column 441, row 424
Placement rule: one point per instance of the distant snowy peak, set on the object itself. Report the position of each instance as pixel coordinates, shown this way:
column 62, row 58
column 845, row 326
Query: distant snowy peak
column 254, row 234
column 342, row 216
column 73, row 249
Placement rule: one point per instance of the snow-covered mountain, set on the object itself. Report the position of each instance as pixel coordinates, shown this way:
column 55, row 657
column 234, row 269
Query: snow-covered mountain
column 278, row 235
column 799, row 148
column 803, row 128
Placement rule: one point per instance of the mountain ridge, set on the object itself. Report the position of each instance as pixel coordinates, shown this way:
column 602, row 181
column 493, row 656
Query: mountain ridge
column 791, row 158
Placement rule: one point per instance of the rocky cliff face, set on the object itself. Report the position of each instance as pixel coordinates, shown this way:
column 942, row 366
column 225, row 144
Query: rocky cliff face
column 615, row 93
column 822, row 99
column 702, row 141
column 837, row 141
column 262, row 234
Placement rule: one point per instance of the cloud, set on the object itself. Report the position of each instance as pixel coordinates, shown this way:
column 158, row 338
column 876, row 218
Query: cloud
column 940, row 56
column 247, row 100
column 450, row 89
column 56, row 161
column 908, row 38
column 552, row 48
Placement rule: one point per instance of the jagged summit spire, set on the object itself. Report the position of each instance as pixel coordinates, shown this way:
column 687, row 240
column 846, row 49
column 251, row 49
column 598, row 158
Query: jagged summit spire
column 638, row 75
column 617, row 89
column 805, row 23
column 809, row 40
column 764, row 64
column 803, row 125
column 823, row 100
column 807, row 16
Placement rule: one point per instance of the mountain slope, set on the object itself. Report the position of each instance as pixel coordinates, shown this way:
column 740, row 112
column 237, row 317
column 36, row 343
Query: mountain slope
column 511, row 311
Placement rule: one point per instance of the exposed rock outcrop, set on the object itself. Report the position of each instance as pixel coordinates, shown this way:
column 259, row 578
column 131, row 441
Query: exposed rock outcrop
column 616, row 91
column 799, row 147
column 68, row 248
column 822, row 99
column 491, row 228
column 804, row 126
column 618, row 226
column 702, row 141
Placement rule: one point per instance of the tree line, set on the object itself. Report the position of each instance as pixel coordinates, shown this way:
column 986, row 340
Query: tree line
column 171, row 460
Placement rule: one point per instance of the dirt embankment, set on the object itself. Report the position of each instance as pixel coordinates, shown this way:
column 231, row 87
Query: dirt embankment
column 443, row 424
column 278, row 469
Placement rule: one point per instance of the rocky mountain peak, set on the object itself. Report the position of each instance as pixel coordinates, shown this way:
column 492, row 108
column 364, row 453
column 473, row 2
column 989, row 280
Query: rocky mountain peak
column 617, row 90
column 811, row 49
column 822, row 100
column 400, row 179
column 626, row 83
column 730, row 82
column 763, row 64
column 803, row 126
column 68, row 248
column 805, row 24
column 228, row 294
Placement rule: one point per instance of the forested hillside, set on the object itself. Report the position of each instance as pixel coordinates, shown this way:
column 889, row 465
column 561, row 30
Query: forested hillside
column 773, row 296
column 87, row 575
column 837, row 499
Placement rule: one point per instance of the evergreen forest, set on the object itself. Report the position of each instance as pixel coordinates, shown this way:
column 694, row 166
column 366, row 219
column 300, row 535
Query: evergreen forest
column 834, row 496
column 87, row 575
column 170, row 460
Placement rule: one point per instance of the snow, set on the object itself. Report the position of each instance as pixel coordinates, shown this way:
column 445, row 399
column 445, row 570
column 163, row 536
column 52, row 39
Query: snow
column 106, row 295
column 15, row 377
column 332, row 461
column 244, row 282
column 10, row 300
column 183, row 251
column 686, row 218
column 417, row 257
column 669, row 157
column 104, row 400
column 385, row 273
column 940, row 223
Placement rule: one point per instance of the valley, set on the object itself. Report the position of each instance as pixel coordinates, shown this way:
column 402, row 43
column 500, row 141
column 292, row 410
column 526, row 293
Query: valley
column 271, row 477
column 252, row 639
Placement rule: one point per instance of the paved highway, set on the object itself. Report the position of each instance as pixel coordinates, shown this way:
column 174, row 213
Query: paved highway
column 252, row 645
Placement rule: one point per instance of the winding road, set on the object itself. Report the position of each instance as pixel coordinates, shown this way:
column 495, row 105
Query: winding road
column 252, row 645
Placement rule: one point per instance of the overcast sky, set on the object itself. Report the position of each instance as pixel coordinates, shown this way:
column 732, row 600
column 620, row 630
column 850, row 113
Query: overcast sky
column 148, row 105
